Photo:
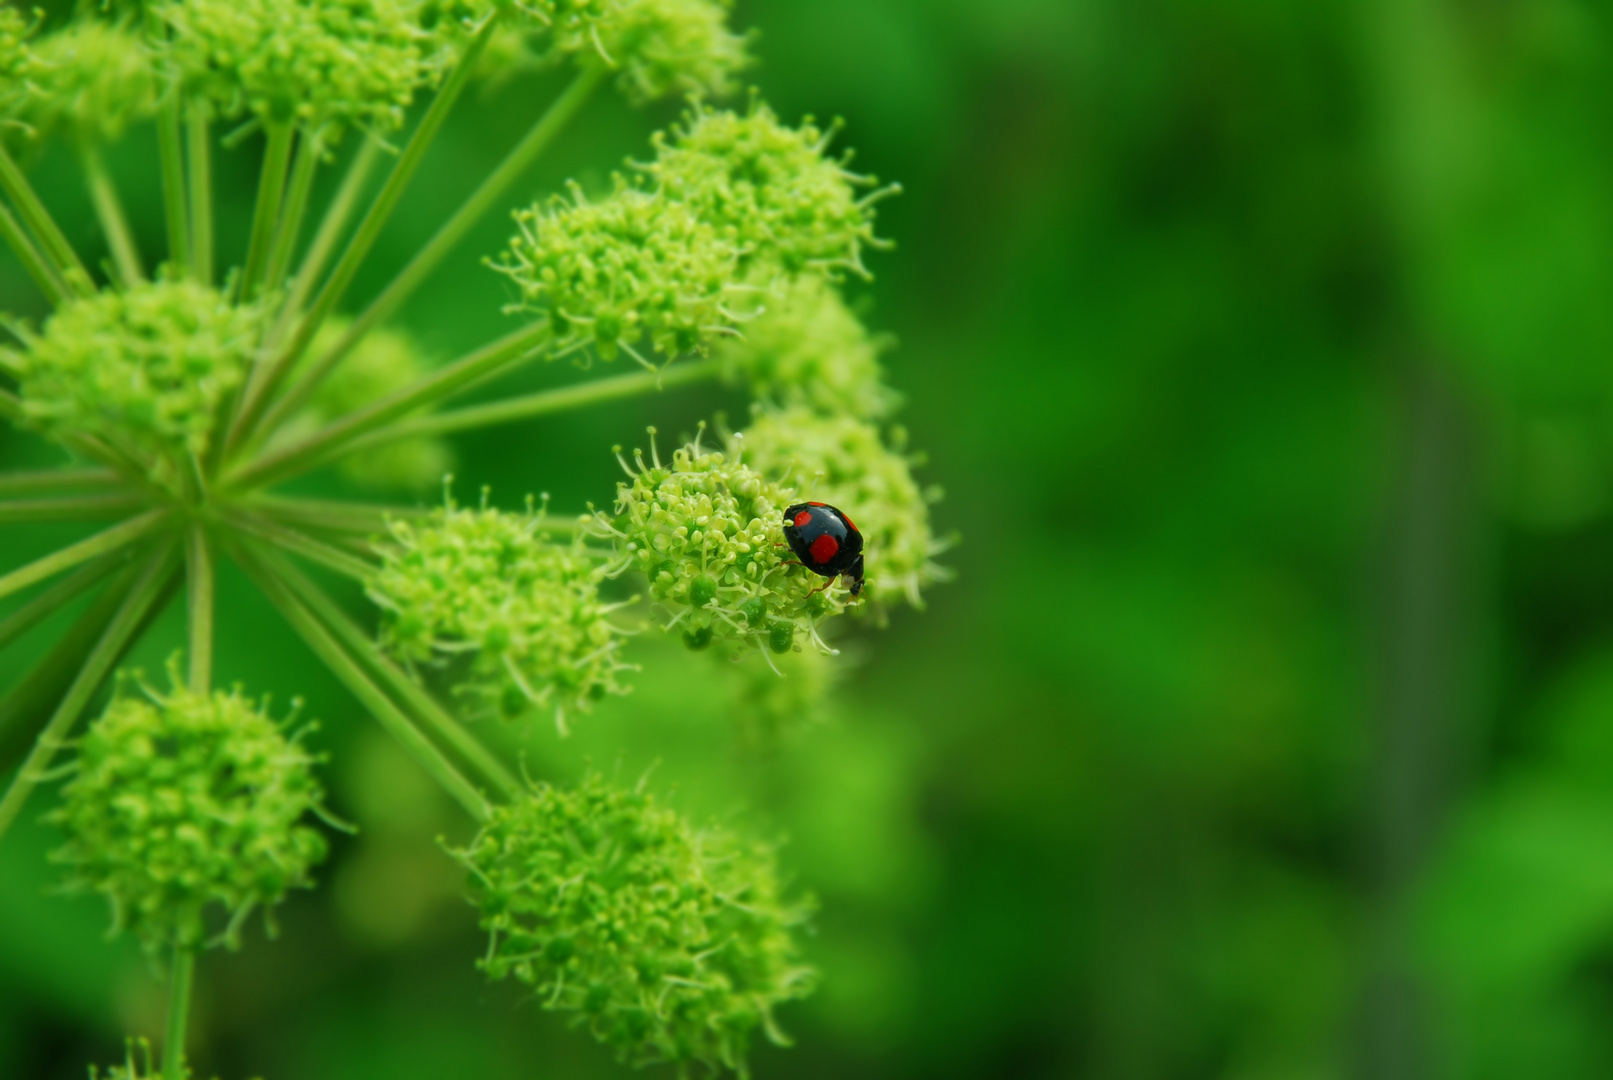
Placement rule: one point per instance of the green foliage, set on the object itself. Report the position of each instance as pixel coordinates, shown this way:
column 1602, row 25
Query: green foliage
column 181, row 803
column 667, row 943
column 526, row 608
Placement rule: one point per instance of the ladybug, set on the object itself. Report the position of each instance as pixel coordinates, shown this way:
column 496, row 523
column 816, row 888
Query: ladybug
column 826, row 542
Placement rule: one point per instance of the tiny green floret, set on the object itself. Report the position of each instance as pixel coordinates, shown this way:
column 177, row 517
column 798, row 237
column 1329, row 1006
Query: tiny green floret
column 186, row 811
column 768, row 189
column 18, row 63
column 613, row 272
column 667, row 943
column 493, row 585
column 313, row 62
column 144, row 369
column 95, row 78
column 806, row 347
column 843, row 461
column 707, row 531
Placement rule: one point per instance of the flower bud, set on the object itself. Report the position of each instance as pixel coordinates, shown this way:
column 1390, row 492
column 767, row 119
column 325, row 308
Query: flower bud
column 184, row 803
column 667, row 944
column 843, row 461
column 493, row 585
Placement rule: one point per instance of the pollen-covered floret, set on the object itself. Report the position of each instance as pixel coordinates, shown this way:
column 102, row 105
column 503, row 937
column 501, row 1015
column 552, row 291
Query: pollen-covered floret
column 707, row 531
column 612, row 272
column 384, row 361
column 806, row 347
column 94, row 76
column 187, row 812
column 666, row 943
column 768, row 190
column 144, row 369
column 314, row 62
column 843, row 461
column 523, row 611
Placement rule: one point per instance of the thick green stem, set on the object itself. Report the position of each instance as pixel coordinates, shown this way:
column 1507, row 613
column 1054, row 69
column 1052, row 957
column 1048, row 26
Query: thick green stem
column 348, row 670
column 81, row 508
column 43, row 226
column 51, row 600
column 332, row 440
column 309, row 149
column 517, row 162
column 181, row 978
column 425, row 708
column 130, row 614
column 33, row 260
column 543, row 403
column 68, row 557
column 199, row 155
column 364, row 237
column 171, row 151
column 34, row 480
column 265, row 218
column 300, row 543
column 109, row 211
column 199, row 608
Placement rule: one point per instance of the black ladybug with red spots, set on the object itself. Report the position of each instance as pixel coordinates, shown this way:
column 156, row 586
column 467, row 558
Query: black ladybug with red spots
column 826, row 542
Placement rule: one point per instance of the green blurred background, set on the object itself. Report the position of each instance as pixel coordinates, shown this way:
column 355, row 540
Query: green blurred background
column 1265, row 352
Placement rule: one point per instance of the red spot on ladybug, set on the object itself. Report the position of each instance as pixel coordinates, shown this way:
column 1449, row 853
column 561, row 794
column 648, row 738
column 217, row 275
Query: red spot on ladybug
column 817, row 504
column 802, row 518
column 850, row 522
column 823, row 548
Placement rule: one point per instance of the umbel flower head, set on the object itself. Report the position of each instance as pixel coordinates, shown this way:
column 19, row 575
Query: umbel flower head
column 629, row 266
column 807, row 348
column 343, row 62
column 707, row 531
column 144, row 368
column 660, row 47
column 768, row 190
column 384, row 361
column 525, row 609
column 187, row 809
column 843, row 461
column 95, row 77
column 667, row 944
column 17, row 62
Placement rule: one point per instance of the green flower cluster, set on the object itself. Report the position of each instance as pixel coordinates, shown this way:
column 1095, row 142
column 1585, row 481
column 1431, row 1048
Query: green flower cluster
column 145, row 1068
column 145, row 369
column 806, row 347
column 494, row 586
column 186, row 801
column 18, row 64
column 768, row 190
column 315, row 62
column 385, row 360
column 610, row 272
column 667, row 944
column 843, row 461
column 660, row 47
column 707, row 531
column 94, row 77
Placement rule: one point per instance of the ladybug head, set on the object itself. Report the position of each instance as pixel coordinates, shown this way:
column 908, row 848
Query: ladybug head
column 854, row 575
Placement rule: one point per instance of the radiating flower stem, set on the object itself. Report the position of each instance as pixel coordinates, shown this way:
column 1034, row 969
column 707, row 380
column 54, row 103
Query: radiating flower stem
column 44, row 228
column 109, row 211
column 33, row 260
column 562, row 399
column 363, row 238
column 35, row 480
column 78, row 508
column 68, row 557
column 271, row 193
column 199, row 581
column 514, row 165
column 171, row 151
column 331, row 441
column 51, row 600
column 182, row 976
column 309, row 149
column 97, row 665
column 199, row 152
column 300, row 543
column 352, row 675
column 331, row 515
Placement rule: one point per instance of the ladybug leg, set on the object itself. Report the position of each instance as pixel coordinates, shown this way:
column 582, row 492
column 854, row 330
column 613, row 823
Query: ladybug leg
column 822, row 587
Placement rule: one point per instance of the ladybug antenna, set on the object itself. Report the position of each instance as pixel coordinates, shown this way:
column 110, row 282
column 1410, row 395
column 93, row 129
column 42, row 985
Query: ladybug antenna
column 655, row 455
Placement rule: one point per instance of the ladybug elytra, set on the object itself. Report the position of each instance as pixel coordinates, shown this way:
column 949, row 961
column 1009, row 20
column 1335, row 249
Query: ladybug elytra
column 826, row 542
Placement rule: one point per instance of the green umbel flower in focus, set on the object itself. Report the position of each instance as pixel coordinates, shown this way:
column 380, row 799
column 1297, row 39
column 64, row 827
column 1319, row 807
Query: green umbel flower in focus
column 187, row 812
column 316, row 62
column 493, row 588
column 843, row 461
column 707, row 531
column 628, row 267
column 768, row 190
column 666, row 943
column 806, row 347
column 95, row 78
column 143, row 369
